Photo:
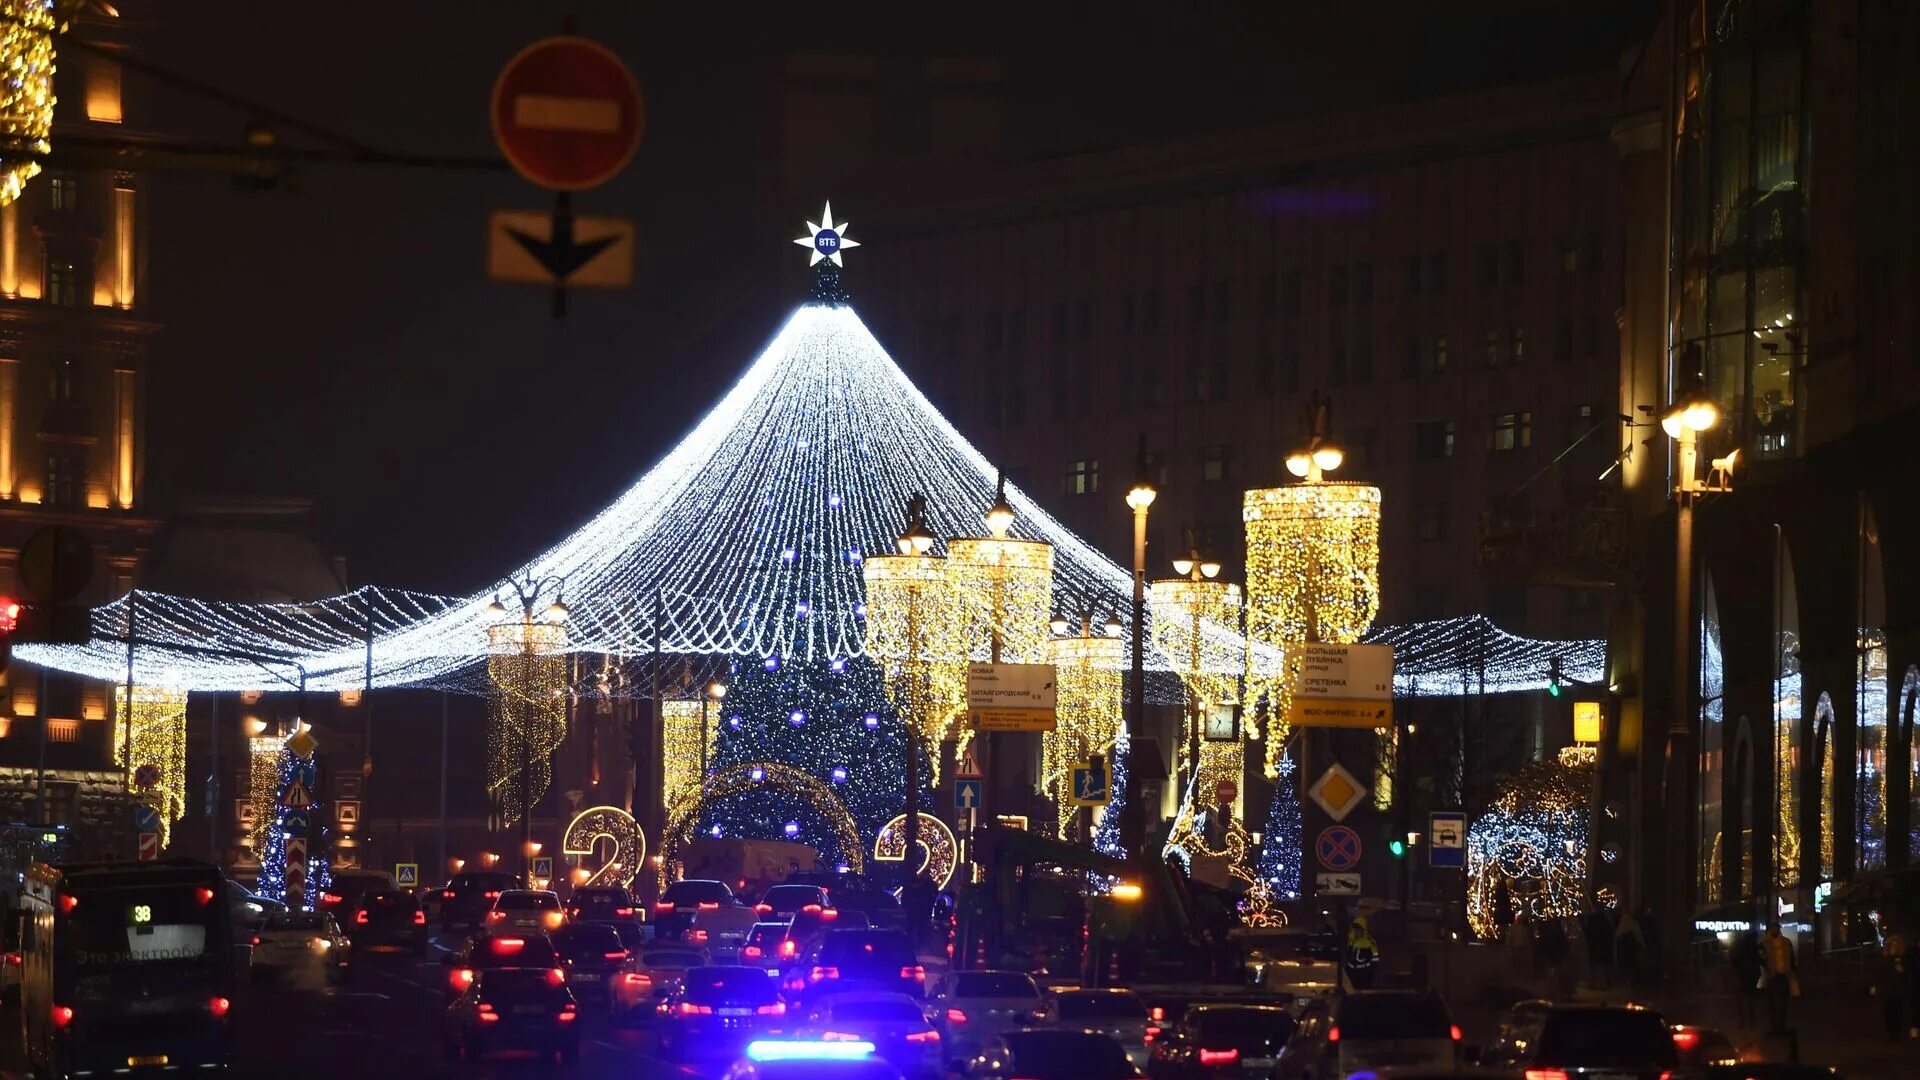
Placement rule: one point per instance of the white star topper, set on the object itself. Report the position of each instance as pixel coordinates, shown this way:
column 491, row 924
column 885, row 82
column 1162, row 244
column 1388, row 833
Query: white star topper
column 826, row 239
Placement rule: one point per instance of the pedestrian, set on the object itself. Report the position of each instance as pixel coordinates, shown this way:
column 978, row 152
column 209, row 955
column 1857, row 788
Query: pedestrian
column 1550, row 952
column 1744, row 961
column 1783, row 982
column 1627, row 946
column 1650, row 934
column 1600, row 946
column 1363, row 954
column 1891, row 982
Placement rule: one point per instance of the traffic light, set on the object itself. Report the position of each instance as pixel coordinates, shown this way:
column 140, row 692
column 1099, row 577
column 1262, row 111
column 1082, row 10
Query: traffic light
column 9, row 615
column 1397, row 847
column 1554, row 678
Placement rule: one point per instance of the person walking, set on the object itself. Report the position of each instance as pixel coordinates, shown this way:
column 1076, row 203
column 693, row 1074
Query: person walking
column 1627, row 945
column 1744, row 960
column 1783, row 983
column 1599, row 933
column 1891, row 982
column 1363, row 954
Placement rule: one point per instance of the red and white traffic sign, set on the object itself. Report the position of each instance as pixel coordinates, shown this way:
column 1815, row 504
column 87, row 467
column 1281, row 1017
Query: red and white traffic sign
column 1224, row 791
column 567, row 113
column 149, row 846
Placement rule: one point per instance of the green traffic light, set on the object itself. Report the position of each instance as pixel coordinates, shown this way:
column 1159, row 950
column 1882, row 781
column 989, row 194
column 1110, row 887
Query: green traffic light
column 1398, row 847
column 1554, row 688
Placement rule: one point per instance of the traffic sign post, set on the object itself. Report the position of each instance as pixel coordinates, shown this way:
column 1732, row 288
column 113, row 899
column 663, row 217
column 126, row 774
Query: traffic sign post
column 1092, row 783
column 1342, row 686
column 1337, row 848
column 406, row 874
column 1011, row 697
column 1337, row 792
column 542, row 868
column 1447, row 840
column 1346, row 884
column 149, row 846
column 968, row 792
column 1225, row 792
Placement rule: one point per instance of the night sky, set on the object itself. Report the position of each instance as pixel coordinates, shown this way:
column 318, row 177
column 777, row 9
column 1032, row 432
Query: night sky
column 337, row 338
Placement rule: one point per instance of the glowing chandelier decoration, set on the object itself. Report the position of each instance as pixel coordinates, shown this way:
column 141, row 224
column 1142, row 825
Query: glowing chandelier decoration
column 1088, row 687
column 913, row 633
column 1002, row 587
column 26, row 90
column 684, row 746
column 157, row 768
column 1530, row 847
column 527, row 711
column 263, row 796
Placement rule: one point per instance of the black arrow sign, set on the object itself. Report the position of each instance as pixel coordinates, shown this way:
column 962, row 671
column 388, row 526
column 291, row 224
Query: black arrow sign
column 558, row 254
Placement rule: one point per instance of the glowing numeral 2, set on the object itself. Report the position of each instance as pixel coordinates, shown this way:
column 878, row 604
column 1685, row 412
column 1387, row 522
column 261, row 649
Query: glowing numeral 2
column 598, row 823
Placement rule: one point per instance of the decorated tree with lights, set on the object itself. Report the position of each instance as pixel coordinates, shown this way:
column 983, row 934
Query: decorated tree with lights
column 1279, row 865
column 829, row 718
column 1106, row 835
column 273, row 861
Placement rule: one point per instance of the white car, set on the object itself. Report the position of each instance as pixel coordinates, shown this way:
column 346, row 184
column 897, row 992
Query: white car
column 722, row 931
column 525, row 910
column 297, row 942
column 1118, row 1013
column 970, row 1007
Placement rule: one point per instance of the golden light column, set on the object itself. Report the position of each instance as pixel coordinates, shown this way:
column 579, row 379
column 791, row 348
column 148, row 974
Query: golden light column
column 264, row 777
column 527, row 711
column 1313, row 569
column 1087, row 673
column 684, row 747
column 157, row 769
column 26, row 90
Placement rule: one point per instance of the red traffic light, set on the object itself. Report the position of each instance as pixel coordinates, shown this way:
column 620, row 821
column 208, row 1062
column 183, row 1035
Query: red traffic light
column 9, row 614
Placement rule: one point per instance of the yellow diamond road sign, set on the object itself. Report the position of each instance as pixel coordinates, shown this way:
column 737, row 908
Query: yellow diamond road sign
column 1337, row 792
column 303, row 744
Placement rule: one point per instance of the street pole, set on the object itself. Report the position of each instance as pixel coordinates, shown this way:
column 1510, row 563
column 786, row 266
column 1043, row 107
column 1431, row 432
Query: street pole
column 1680, row 738
column 443, row 783
column 213, row 778
column 1133, row 816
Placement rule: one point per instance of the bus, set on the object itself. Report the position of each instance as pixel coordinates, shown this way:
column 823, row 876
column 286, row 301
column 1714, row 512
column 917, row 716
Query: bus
column 126, row 967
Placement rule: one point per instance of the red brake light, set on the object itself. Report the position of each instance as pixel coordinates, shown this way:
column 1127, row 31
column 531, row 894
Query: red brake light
column 1159, row 1014
column 1686, row 1040
column 688, row 1008
column 621, row 955
column 360, row 918
column 487, row 1015
column 634, row 978
column 955, row 1016
column 1454, row 1030
column 62, row 1015
column 256, row 939
column 419, row 918
column 329, row 898
column 568, row 1014
column 446, row 894
column 923, row 1036
column 830, row 914
column 462, row 978
column 914, row 972
column 1219, row 1057
column 818, row 973
column 219, row 1006
column 492, row 894
column 1555, row 1074
column 789, row 947
column 204, row 895
column 663, row 906
column 68, row 902
column 1153, row 1032
column 13, row 958
column 750, row 952
column 778, row 1008
column 623, row 912
column 509, row 944
column 1333, row 1034
column 496, row 916
column 556, row 977
column 709, row 905
column 698, row 937
column 810, row 909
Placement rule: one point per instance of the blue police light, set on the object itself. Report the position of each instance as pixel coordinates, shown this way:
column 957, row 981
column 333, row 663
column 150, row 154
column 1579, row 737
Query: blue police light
column 797, row 1050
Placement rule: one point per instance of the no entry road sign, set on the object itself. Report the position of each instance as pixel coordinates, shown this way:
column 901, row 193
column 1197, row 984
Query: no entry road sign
column 567, row 113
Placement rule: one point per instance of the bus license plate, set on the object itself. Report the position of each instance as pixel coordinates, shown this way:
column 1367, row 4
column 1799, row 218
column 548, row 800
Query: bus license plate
column 148, row 1061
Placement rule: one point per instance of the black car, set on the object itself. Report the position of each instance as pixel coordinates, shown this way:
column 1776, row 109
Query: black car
column 673, row 912
column 468, row 897
column 593, row 956
column 784, row 901
column 1584, row 1040
column 388, row 921
column 602, row 904
column 1221, row 1041
column 519, row 1008
column 716, row 1011
column 1051, row 1055
column 486, row 952
column 841, row 960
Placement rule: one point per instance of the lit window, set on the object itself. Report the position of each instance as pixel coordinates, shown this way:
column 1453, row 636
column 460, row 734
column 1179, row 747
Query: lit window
column 1214, row 464
column 63, row 193
column 1519, row 345
column 1511, row 431
column 63, row 284
column 1083, row 477
column 1433, row 439
column 1440, row 354
column 63, row 731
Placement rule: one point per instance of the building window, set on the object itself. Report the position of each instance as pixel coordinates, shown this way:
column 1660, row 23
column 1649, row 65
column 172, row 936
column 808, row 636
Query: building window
column 1489, row 266
column 1267, row 373
column 1369, row 447
column 1433, row 439
column 1214, row 464
column 1437, row 272
column 1563, row 340
column 1432, row 522
column 1440, row 355
column 1152, row 388
column 1290, row 289
column 1569, row 256
column 1591, row 256
column 63, row 731
column 1337, row 287
column 1413, row 275
column 1490, row 348
column 63, row 799
column 1363, row 282
column 63, row 193
column 1083, row 477
column 60, row 381
column 63, row 284
column 1516, row 263
column 1590, row 340
column 1519, row 344
column 1511, row 431
column 63, row 479
column 1363, row 362
column 1337, row 368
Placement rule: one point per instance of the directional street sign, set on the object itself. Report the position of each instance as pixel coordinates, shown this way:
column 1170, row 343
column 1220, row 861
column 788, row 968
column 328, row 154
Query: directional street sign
column 1092, row 784
column 543, row 868
column 1011, row 697
column 1337, row 792
column 149, row 846
column 576, row 250
column 296, row 852
column 146, row 818
column 406, row 874
column 567, row 113
column 1342, row 686
column 1447, row 840
column 1336, row 884
column 967, row 792
column 296, row 820
column 1338, row 848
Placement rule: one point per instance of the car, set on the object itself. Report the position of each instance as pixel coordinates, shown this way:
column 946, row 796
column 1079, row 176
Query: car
column 784, row 901
column 431, row 897
column 342, row 894
column 300, row 942
column 650, row 974
column 526, row 910
column 389, row 921
column 468, row 897
column 1223, row 1041
column 970, row 1007
column 852, row 892
column 514, row 1008
column 602, row 903
column 484, row 952
column 248, row 911
column 1370, row 1030
column 808, row 924
column 767, row 945
column 673, row 912
column 1118, row 1013
column 795, row 1059
column 1619, row 1042
column 1704, row 1046
column 723, row 931
column 843, row 960
column 716, row 1010
column 1050, row 1054
column 593, row 957
column 893, row 1023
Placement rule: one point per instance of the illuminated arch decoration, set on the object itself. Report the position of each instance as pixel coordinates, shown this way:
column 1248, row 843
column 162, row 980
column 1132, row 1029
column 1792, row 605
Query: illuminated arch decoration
column 610, row 823
column 684, row 816
column 934, row 838
column 1531, row 843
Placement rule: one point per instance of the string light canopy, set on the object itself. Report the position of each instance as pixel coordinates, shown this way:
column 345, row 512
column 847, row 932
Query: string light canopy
column 26, row 90
column 748, row 538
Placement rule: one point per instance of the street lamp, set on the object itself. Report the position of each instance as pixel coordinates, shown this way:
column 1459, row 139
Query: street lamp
column 716, row 693
column 1133, row 819
column 1316, row 453
column 1691, row 413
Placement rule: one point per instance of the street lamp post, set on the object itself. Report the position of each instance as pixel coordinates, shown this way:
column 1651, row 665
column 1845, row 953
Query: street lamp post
column 1195, row 569
column 1133, row 816
column 1692, row 412
column 535, row 631
column 716, row 693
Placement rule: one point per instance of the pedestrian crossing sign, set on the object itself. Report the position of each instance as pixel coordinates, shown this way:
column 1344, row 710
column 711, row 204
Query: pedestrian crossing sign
column 1091, row 785
column 406, row 875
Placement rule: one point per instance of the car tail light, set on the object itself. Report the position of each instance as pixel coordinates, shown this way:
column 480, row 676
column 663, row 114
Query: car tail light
column 491, row 894
column 204, row 895
column 818, row 973
column 810, row 909
column 923, row 1036
column 218, row 1007
column 1228, row 1056
column 568, row 1014
column 446, row 894
column 419, row 918
column 778, row 1008
column 830, row 914
column 330, row 898
column 556, row 977
column 914, row 972
column 13, row 958
column 621, row 955
column 1454, row 1030
column 62, row 1015
column 256, row 940
column 663, row 906
column 487, row 1015
column 1666, row 1074
column 955, row 1016
column 554, row 919
column 789, row 948
column 1159, row 1013
column 634, row 978
column 709, row 905
column 509, row 944
column 360, row 918
column 1555, row 1074
column 763, row 909
column 1153, row 1033
column 698, row 937
column 496, row 916
column 1333, row 1034
column 462, row 978
column 68, row 902
column 623, row 912
column 688, row 1008
column 750, row 952
column 1686, row 1040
